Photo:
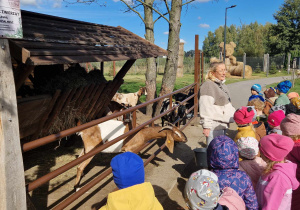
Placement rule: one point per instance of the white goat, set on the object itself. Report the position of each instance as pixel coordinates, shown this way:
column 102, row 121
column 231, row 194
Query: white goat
column 130, row 99
column 111, row 129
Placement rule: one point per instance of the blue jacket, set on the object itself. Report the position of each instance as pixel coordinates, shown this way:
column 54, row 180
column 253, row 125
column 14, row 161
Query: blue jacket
column 223, row 160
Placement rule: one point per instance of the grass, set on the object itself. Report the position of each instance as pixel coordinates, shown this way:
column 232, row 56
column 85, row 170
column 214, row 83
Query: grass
column 296, row 88
column 132, row 83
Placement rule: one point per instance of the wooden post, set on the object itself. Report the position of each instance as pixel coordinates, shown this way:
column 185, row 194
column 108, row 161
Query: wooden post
column 114, row 68
column 180, row 60
column 289, row 61
column 12, row 182
column 196, row 74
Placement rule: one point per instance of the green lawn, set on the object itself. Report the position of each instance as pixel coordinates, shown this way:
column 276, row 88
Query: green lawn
column 133, row 82
column 296, row 88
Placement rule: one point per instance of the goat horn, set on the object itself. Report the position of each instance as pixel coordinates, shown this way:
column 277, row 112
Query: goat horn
column 166, row 128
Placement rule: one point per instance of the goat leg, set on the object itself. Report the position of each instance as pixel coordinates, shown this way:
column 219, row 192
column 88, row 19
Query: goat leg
column 80, row 170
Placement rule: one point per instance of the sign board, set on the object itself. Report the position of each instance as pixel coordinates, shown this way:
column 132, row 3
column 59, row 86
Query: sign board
column 10, row 19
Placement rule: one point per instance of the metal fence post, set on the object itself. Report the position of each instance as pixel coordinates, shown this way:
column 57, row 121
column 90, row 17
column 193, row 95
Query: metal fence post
column 244, row 61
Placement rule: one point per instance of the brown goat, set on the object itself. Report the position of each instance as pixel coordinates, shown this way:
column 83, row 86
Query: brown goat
column 111, row 129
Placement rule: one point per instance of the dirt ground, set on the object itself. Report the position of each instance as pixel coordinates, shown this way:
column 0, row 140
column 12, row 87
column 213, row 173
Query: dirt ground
column 48, row 158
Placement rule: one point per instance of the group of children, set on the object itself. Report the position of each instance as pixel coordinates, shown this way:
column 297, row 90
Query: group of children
column 262, row 164
column 259, row 169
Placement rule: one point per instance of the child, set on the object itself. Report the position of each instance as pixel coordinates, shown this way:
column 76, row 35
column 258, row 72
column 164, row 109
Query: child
column 255, row 92
column 274, row 188
column 202, row 191
column 251, row 164
column 223, row 160
column 258, row 124
column 243, row 118
column 293, row 107
column 133, row 194
column 292, row 95
column 290, row 127
column 282, row 88
column 271, row 97
column 274, row 121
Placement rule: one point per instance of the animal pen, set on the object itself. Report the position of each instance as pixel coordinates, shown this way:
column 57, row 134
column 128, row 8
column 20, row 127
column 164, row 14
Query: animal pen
column 30, row 121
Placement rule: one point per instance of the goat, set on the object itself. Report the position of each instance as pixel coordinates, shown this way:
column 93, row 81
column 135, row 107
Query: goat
column 130, row 99
column 114, row 107
column 172, row 117
column 100, row 134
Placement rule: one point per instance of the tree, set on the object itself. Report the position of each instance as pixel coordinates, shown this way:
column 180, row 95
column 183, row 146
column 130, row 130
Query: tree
column 285, row 35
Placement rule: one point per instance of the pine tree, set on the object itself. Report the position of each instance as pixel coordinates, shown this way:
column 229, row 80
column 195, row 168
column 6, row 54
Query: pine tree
column 273, row 69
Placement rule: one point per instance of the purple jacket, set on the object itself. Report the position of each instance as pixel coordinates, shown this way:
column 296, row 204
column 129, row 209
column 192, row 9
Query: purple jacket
column 223, row 160
column 274, row 190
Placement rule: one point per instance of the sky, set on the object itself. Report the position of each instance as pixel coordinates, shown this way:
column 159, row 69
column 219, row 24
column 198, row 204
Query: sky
column 198, row 17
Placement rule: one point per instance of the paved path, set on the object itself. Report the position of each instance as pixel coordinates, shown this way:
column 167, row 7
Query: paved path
column 240, row 93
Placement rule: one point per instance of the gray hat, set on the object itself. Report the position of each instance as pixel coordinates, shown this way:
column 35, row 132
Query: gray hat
column 202, row 190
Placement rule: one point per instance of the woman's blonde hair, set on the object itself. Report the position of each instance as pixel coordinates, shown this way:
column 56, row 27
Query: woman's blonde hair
column 214, row 63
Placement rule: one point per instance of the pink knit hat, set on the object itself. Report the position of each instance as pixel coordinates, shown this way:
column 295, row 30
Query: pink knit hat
column 290, row 125
column 276, row 147
column 243, row 115
column 276, row 117
column 292, row 95
column 248, row 147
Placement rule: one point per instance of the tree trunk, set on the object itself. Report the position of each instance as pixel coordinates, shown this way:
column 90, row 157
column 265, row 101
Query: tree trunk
column 151, row 67
column 169, row 77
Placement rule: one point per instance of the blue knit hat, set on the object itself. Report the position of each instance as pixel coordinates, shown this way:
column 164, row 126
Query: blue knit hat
column 256, row 87
column 284, row 86
column 127, row 169
column 256, row 96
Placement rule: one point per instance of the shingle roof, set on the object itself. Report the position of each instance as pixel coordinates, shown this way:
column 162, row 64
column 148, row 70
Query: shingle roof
column 54, row 40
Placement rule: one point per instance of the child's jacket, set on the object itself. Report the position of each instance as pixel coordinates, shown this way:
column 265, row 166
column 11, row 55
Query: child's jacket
column 282, row 100
column 294, row 156
column 136, row 197
column 274, row 190
column 246, row 131
column 253, row 168
column 223, row 159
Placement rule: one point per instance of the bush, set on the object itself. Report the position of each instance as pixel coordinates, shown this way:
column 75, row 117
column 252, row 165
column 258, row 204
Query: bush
column 258, row 68
column 273, row 69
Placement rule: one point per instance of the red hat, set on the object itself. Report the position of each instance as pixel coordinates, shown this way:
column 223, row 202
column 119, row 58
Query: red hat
column 243, row 115
column 276, row 117
column 276, row 147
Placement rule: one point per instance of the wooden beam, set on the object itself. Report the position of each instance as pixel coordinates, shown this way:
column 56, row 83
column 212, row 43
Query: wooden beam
column 12, row 182
column 22, row 74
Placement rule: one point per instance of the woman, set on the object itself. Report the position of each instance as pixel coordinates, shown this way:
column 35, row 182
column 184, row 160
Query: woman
column 216, row 110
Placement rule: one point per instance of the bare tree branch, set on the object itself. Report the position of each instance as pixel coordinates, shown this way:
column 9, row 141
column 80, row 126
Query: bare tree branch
column 159, row 17
column 167, row 6
column 188, row 2
column 131, row 8
column 153, row 10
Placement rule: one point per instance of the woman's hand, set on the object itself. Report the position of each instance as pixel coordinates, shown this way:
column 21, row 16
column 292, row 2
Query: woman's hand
column 206, row 131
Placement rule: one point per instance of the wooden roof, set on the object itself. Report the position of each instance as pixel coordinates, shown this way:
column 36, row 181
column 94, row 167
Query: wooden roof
column 54, row 40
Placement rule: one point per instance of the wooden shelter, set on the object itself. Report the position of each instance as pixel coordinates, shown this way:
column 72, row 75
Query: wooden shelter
column 50, row 40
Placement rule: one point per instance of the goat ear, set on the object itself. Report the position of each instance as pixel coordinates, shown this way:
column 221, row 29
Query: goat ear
column 170, row 142
column 78, row 122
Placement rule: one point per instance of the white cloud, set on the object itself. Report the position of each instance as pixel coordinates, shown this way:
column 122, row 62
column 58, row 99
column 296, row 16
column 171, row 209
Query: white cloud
column 37, row 3
column 204, row 25
column 182, row 40
column 130, row 2
column 57, row 4
column 29, row 2
column 166, row 32
column 199, row 18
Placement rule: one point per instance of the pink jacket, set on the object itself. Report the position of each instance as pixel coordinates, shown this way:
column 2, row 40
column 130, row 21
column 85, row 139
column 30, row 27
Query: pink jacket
column 294, row 156
column 274, row 190
column 231, row 199
column 253, row 168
